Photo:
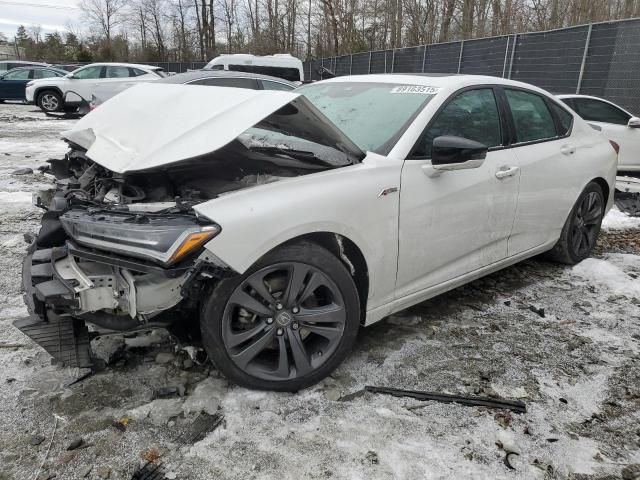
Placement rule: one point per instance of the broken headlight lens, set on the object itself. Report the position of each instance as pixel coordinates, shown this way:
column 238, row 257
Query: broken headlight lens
column 162, row 238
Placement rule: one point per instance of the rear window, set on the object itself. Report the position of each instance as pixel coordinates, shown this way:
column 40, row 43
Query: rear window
column 249, row 83
column 160, row 72
column 373, row 115
column 291, row 74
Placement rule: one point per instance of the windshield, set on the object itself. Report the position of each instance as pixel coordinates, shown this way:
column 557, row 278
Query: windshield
column 373, row 115
column 299, row 132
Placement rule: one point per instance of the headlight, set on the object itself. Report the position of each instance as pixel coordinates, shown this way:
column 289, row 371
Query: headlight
column 162, row 238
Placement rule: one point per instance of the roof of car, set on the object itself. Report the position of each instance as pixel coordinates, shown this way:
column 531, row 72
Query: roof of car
column 35, row 67
column 117, row 64
column 38, row 67
column 26, row 62
column 445, row 81
column 198, row 74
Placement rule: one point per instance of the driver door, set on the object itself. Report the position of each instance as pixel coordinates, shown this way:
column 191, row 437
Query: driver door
column 455, row 222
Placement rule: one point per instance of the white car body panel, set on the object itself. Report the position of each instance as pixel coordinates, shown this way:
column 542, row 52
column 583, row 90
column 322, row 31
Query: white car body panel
column 129, row 132
column 455, row 222
column 343, row 201
column 419, row 241
column 84, row 88
column 626, row 137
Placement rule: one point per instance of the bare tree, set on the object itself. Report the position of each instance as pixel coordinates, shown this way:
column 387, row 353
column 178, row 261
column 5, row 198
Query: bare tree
column 103, row 14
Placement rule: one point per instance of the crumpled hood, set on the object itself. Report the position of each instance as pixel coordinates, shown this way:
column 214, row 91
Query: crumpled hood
column 152, row 125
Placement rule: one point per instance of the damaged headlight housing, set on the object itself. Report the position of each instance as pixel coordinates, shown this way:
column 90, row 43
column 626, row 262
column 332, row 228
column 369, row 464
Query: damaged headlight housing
column 162, row 238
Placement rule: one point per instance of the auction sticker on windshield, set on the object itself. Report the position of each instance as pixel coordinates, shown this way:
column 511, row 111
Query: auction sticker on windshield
column 415, row 89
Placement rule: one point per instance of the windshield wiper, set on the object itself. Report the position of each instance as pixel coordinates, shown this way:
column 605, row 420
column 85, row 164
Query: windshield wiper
column 302, row 155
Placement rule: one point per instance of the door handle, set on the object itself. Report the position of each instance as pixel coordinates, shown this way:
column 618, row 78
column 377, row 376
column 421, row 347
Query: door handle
column 568, row 149
column 505, row 172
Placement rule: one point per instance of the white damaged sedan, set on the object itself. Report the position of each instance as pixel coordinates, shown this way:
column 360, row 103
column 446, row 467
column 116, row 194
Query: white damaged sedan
column 279, row 223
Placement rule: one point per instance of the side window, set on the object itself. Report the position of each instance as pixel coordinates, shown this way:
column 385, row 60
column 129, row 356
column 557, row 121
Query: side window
column 472, row 114
column 88, row 73
column 532, row 118
column 564, row 117
column 115, row 71
column 569, row 101
column 597, row 111
column 291, row 74
column 43, row 73
column 269, row 85
column 136, row 72
column 228, row 82
column 19, row 75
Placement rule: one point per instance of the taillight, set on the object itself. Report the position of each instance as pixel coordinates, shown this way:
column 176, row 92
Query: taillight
column 615, row 146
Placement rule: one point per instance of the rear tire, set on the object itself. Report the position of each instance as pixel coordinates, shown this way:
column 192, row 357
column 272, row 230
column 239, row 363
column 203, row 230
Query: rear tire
column 286, row 323
column 580, row 231
column 49, row 101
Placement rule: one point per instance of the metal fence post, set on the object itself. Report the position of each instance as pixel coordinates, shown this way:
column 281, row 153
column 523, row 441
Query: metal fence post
column 584, row 58
column 385, row 61
column 460, row 56
column 369, row 70
column 393, row 60
column 350, row 63
column 424, row 57
column 513, row 53
column 506, row 55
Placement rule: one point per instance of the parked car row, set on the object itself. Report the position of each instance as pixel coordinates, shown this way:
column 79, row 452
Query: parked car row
column 282, row 222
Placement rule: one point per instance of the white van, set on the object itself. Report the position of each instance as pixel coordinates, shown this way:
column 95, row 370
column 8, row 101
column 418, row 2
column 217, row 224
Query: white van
column 279, row 65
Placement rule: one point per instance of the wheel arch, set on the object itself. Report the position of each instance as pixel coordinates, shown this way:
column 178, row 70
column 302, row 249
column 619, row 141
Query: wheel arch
column 348, row 252
column 42, row 89
column 606, row 188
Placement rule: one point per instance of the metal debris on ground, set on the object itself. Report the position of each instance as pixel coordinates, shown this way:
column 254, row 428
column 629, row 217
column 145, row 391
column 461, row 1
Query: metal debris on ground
column 513, row 405
column 150, row 471
column 202, row 425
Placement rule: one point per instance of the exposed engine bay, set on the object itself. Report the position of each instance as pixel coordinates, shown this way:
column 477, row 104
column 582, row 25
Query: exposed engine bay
column 124, row 251
column 121, row 246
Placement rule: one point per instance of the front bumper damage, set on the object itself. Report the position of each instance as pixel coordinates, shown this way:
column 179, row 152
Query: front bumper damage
column 66, row 287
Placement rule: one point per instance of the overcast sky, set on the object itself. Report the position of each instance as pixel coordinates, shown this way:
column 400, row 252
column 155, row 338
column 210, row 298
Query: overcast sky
column 49, row 14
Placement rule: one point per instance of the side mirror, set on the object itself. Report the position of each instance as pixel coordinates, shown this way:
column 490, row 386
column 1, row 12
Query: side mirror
column 634, row 122
column 457, row 153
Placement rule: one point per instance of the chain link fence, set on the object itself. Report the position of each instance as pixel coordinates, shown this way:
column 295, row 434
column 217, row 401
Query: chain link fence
column 600, row 59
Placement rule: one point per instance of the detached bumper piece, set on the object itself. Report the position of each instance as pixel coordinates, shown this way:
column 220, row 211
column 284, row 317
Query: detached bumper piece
column 65, row 338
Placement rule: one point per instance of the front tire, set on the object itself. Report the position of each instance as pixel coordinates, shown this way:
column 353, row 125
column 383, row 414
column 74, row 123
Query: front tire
column 580, row 231
column 286, row 323
column 49, row 101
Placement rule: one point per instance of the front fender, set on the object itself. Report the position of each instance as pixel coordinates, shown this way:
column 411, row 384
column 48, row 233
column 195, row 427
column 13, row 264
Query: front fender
column 346, row 201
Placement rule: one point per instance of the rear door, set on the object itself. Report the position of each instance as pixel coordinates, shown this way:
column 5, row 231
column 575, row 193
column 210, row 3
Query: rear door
column 458, row 221
column 546, row 154
column 614, row 123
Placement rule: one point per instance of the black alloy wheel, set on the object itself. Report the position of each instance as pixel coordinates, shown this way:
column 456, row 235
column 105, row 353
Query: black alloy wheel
column 580, row 232
column 286, row 323
column 586, row 224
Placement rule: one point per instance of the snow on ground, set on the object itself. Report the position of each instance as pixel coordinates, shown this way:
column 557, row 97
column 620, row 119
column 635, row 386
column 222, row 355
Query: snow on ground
column 617, row 220
column 575, row 364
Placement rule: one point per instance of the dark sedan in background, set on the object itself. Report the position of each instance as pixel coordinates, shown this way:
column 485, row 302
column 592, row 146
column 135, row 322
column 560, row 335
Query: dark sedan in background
column 14, row 82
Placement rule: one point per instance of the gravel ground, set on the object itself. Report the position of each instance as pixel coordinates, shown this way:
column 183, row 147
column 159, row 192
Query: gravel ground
column 564, row 340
